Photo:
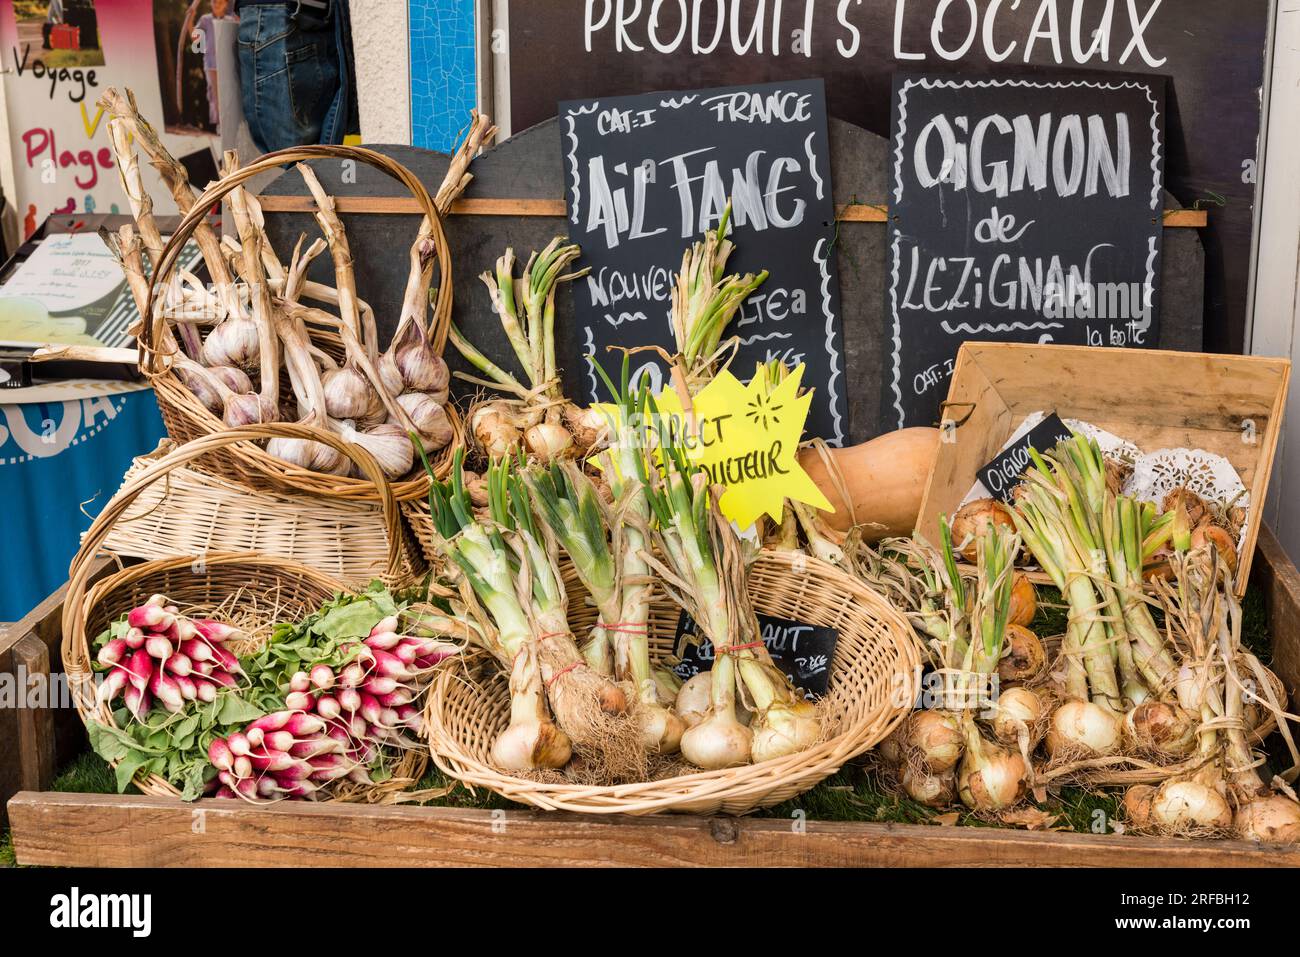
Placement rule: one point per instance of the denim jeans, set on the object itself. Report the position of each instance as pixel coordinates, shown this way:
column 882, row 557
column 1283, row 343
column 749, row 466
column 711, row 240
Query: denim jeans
column 289, row 70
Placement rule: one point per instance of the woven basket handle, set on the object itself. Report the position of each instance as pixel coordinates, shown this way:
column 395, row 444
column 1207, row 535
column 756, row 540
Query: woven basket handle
column 153, row 364
column 79, row 570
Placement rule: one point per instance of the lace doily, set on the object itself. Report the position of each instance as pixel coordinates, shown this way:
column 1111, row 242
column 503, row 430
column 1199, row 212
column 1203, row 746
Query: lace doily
column 1212, row 477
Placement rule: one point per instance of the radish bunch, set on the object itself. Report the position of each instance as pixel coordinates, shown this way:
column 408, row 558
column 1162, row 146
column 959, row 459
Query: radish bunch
column 169, row 658
column 286, row 754
column 335, row 720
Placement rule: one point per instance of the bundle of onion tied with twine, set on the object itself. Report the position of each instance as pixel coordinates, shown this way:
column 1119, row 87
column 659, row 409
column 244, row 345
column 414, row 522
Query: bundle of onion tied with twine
column 256, row 321
column 984, row 713
column 1225, row 786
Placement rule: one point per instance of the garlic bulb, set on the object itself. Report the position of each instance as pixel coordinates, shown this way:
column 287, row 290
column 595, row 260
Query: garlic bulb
column 203, row 389
column 244, row 409
column 429, row 417
column 234, row 342
column 390, row 446
column 389, row 375
column 421, row 367
column 236, row 380
column 349, row 395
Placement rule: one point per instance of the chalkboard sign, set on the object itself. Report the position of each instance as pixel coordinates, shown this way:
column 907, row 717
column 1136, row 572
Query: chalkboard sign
column 646, row 175
column 1023, row 210
column 1002, row 475
column 1213, row 53
column 802, row 651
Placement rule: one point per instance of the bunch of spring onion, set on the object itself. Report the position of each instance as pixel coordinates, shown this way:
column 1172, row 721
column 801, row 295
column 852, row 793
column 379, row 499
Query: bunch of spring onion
column 538, row 417
column 505, row 563
column 607, row 545
column 946, row 751
column 165, row 657
column 1119, row 670
column 699, row 559
column 704, row 301
column 1225, row 786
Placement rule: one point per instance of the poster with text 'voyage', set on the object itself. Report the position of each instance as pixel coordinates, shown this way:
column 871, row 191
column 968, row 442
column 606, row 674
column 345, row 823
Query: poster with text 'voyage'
column 646, row 175
column 1021, row 210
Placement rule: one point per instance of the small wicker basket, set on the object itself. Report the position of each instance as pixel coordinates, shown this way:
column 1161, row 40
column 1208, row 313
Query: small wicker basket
column 272, row 587
column 875, row 678
column 190, row 512
column 248, row 464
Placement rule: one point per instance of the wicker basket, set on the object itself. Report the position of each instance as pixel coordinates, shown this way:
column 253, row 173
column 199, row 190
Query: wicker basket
column 275, row 587
column 189, row 512
column 875, row 677
column 248, row 464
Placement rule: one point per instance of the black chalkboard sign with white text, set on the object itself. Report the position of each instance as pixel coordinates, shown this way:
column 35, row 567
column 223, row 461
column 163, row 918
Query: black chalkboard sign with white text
column 646, row 175
column 1022, row 210
column 802, row 651
column 1002, row 475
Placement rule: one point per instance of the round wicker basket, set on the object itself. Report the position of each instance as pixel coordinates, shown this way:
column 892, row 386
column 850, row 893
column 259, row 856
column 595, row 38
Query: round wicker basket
column 271, row 588
column 875, row 677
column 186, row 418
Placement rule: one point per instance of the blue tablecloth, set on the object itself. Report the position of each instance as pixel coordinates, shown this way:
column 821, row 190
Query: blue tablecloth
column 54, row 455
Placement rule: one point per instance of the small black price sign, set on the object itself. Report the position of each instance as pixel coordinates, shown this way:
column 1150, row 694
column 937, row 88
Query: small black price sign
column 1002, row 475
column 802, row 651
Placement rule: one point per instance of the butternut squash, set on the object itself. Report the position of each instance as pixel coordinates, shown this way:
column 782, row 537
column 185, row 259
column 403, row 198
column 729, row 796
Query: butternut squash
column 884, row 479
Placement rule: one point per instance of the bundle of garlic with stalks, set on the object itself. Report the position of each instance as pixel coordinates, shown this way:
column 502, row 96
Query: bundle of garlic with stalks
column 700, row 562
column 537, row 416
column 256, row 322
column 1227, row 786
column 505, row 566
column 977, row 744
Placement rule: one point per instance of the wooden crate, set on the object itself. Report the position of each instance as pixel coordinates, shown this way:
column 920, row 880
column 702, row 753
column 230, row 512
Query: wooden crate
column 59, row 829
column 1229, row 405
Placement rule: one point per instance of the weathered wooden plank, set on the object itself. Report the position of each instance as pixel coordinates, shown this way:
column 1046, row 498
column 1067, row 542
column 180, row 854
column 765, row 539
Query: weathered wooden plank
column 35, row 714
column 66, row 735
column 846, row 212
column 1279, row 579
column 103, row 831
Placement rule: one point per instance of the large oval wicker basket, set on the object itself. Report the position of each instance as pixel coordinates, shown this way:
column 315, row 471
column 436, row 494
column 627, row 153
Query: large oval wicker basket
column 186, row 418
column 270, row 588
column 874, row 679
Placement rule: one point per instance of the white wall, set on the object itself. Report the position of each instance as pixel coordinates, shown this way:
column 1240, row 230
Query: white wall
column 1275, row 326
column 380, row 45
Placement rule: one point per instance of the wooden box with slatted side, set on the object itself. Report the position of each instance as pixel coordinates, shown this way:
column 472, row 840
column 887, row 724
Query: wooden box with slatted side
column 1229, row 405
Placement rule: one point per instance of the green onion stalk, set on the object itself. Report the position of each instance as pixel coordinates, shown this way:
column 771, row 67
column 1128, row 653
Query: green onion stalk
column 705, row 300
column 509, row 563
column 702, row 566
column 1049, row 517
column 625, row 465
column 991, row 777
column 538, row 416
column 488, row 566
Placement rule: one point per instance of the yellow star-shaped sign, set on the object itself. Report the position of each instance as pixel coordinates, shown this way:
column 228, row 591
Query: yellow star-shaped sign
column 745, row 437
